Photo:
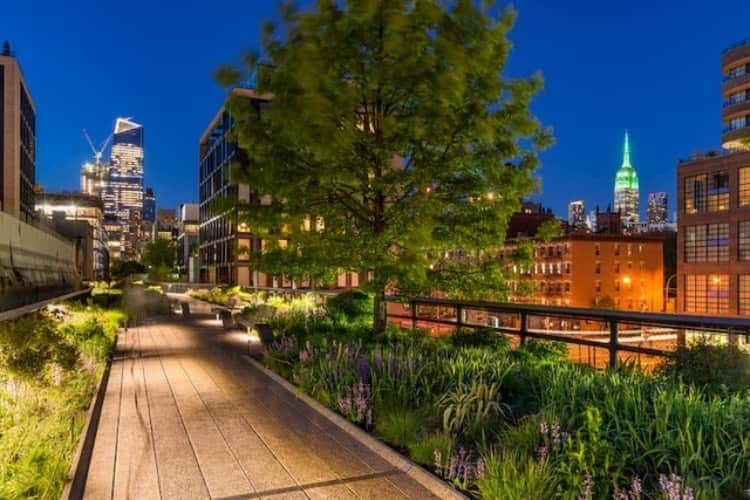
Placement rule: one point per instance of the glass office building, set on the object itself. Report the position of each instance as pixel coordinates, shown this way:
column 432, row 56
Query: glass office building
column 123, row 196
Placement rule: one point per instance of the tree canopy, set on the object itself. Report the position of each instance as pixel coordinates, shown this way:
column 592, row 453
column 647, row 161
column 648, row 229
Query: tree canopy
column 159, row 257
column 393, row 143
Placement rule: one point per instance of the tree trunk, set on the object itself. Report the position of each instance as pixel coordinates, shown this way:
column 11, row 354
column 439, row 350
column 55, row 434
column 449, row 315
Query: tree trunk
column 380, row 310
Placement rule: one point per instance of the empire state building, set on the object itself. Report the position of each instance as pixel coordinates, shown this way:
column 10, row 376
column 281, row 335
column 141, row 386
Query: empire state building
column 626, row 189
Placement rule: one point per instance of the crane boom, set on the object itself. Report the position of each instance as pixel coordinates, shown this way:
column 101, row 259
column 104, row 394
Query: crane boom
column 91, row 143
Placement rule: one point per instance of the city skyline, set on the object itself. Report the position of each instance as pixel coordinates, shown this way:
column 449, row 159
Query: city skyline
column 581, row 164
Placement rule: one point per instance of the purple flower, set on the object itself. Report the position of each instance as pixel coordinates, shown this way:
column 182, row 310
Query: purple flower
column 587, row 487
column 672, row 487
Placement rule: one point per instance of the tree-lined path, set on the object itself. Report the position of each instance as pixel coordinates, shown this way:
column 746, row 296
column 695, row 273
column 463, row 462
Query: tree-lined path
column 185, row 416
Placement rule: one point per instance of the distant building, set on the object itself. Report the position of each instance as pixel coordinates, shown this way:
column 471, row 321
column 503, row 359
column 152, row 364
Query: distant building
column 165, row 227
column 591, row 270
column 713, row 203
column 526, row 222
column 657, row 211
column 17, row 140
column 123, row 194
column 80, row 218
column 591, row 220
column 608, row 222
column 626, row 189
column 576, row 216
column 149, row 206
column 187, row 242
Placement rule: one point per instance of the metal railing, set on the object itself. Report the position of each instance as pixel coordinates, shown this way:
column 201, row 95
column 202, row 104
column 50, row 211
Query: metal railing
column 618, row 332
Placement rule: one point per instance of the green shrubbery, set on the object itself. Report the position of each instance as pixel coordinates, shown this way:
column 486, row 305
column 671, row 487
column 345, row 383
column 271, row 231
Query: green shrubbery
column 49, row 364
column 527, row 423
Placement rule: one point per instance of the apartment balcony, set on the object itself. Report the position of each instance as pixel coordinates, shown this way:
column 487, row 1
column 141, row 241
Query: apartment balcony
column 736, row 138
column 735, row 84
column 735, row 109
column 736, row 54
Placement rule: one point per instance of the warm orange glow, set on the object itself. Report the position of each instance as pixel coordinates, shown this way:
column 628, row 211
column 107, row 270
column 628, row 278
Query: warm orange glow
column 626, row 280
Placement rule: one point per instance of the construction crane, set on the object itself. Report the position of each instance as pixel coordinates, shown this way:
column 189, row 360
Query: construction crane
column 97, row 152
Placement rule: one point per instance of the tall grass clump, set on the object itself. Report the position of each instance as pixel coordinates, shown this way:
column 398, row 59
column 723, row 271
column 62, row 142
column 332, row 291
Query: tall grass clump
column 50, row 362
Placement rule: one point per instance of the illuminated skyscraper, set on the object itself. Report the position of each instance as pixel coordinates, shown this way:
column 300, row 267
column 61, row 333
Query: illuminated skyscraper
column 123, row 195
column 626, row 189
column 576, row 216
column 657, row 210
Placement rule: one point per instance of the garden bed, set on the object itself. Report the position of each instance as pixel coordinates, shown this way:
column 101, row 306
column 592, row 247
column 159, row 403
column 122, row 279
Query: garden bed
column 499, row 422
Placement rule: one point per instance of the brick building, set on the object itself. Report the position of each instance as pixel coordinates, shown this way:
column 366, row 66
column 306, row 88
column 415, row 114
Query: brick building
column 592, row 270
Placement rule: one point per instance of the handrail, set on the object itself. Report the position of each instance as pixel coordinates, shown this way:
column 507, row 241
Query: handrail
column 613, row 320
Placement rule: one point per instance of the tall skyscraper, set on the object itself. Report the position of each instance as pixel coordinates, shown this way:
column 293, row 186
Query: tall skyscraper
column 657, row 211
column 17, row 140
column 626, row 189
column 576, row 216
column 123, row 195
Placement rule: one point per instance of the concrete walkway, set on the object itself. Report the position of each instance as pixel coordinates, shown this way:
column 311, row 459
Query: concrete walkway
column 184, row 416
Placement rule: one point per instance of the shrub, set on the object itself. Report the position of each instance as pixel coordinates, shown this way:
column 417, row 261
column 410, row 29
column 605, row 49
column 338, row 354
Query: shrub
column 468, row 408
column 399, row 426
column 715, row 368
column 514, row 475
column 422, row 450
column 352, row 305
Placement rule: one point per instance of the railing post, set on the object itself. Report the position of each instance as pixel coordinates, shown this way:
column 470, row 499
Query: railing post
column 459, row 317
column 524, row 329
column 613, row 342
column 413, row 315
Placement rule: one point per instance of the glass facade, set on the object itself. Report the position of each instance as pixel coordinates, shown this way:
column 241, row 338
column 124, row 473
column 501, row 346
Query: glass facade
column 704, row 193
column 707, row 293
column 707, row 243
column 744, row 295
column 123, row 195
column 744, row 187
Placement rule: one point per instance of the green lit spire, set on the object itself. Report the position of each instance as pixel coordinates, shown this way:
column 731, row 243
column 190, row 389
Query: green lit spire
column 626, row 177
column 626, row 153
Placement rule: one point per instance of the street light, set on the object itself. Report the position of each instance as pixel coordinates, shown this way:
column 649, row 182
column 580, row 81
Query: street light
column 626, row 280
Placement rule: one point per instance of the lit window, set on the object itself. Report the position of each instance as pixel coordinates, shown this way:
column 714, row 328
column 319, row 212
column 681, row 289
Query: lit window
column 744, row 187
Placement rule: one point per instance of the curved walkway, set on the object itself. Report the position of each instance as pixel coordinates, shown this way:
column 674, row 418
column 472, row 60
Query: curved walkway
column 184, row 416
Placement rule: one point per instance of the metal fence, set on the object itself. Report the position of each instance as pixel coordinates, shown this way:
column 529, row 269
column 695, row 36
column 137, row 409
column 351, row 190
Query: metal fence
column 621, row 335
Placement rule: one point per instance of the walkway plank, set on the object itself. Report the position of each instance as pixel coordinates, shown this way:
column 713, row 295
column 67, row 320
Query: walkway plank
column 184, row 416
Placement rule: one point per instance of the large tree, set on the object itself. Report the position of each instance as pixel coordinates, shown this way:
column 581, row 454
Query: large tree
column 393, row 143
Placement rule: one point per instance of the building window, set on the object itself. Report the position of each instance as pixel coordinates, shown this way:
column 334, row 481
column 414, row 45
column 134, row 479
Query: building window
column 567, row 287
column 744, row 295
column 598, row 286
column 707, row 293
column 617, row 268
column 598, row 268
column 617, row 285
column 630, row 249
column 567, row 268
column 597, row 249
column 743, row 241
column 617, row 249
column 695, row 193
column 718, row 191
column 707, row 243
column 744, row 187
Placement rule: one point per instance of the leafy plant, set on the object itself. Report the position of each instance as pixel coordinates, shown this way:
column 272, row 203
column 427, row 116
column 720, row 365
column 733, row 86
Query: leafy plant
column 509, row 474
column 422, row 449
column 469, row 406
column 398, row 426
column 716, row 368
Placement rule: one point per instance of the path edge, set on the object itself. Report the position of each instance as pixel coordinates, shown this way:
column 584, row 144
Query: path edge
column 79, row 468
column 423, row 477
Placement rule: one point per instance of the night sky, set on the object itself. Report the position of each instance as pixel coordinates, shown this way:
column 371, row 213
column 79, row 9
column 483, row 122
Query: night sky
column 652, row 68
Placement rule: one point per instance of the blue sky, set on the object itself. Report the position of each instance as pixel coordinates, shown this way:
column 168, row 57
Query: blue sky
column 649, row 67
